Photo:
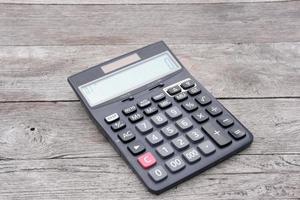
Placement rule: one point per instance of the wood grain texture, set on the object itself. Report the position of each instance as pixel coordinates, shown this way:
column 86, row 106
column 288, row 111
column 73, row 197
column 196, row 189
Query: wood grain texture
column 241, row 177
column 80, row 2
column 142, row 24
column 63, row 130
column 227, row 70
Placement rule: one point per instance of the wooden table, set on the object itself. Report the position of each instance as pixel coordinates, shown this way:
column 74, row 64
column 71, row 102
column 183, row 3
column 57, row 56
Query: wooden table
column 246, row 52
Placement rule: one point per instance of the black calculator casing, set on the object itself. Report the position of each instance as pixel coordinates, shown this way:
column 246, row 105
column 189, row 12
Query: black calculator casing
column 99, row 112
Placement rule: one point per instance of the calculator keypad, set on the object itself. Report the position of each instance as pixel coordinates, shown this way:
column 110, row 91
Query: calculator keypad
column 182, row 127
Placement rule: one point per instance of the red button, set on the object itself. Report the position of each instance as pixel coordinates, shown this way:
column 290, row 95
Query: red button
column 147, row 160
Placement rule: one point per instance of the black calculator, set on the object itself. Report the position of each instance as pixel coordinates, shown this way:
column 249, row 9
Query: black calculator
column 158, row 117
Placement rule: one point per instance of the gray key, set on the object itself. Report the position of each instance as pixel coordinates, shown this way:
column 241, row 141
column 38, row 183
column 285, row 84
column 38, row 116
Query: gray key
column 191, row 155
column 144, row 126
column 195, row 135
column 184, row 124
column 175, row 164
column 180, row 142
column 165, row 150
column 207, row 147
column 158, row 173
column 154, row 138
column 159, row 119
column 173, row 112
column 169, row 131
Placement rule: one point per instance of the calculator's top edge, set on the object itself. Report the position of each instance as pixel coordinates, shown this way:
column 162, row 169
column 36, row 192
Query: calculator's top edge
column 159, row 43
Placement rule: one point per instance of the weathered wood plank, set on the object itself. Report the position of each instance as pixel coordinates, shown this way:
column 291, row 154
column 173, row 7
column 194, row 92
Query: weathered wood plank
column 63, row 130
column 141, row 24
column 227, row 70
column 110, row 178
column 74, row 2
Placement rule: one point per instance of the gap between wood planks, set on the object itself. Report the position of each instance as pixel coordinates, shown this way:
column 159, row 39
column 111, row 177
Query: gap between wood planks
column 133, row 2
column 219, row 98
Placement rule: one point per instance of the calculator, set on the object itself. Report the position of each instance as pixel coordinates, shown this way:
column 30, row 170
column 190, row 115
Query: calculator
column 158, row 117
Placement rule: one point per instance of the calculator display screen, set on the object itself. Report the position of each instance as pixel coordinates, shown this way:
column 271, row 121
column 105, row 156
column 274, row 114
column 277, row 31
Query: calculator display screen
column 129, row 78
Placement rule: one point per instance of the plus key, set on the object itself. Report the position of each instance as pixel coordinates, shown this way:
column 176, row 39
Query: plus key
column 217, row 135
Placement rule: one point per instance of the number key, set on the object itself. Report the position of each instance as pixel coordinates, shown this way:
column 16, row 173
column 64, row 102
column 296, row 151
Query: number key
column 195, row 135
column 184, row 124
column 169, row 131
column 191, row 155
column 158, row 173
column 180, row 143
column 154, row 138
column 144, row 126
column 173, row 112
column 159, row 119
column 175, row 164
column 165, row 150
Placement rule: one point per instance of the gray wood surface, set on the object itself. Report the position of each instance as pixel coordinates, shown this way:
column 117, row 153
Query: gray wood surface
column 220, row 67
column 118, row 24
column 246, row 52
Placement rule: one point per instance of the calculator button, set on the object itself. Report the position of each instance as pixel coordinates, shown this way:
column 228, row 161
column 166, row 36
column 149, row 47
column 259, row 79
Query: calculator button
column 135, row 117
column 189, row 106
column 154, row 138
column 237, row 133
column 216, row 134
column 195, row 135
column 173, row 112
column 214, row 110
column 144, row 126
column 225, row 121
column 144, row 103
column 175, row 164
column 118, row 125
column 207, row 147
column 111, row 118
column 169, row 131
column 159, row 119
column 146, row 160
column 158, row 97
column 126, row 136
column 194, row 91
column 129, row 110
column 203, row 99
column 180, row 97
column 136, row 148
column 165, row 150
column 150, row 110
column 191, row 155
column 165, row 104
column 184, row 124
column 158, row 173
column 180, row 143
column 200, row 117
column 187, row 84
column 174, row 90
